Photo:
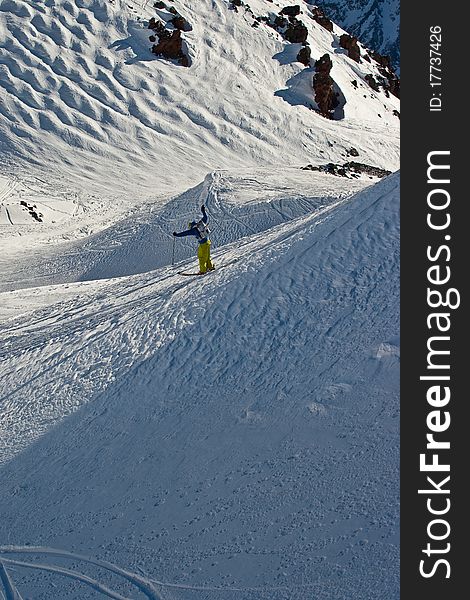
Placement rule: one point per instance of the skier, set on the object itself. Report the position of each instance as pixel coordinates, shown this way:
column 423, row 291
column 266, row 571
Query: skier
column 201, row 231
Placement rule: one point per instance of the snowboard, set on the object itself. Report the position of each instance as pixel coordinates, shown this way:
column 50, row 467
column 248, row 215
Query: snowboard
column 194, row 274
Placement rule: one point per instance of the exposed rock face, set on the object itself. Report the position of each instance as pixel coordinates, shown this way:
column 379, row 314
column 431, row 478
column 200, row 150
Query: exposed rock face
column 304, row 56
column 156, row 25
column 350, row 169
column 325, row 96
column 280, row 22
column 181, row 23
column 372, row 82
column 168, row 41
column 288, row 26
column 349, row 43
column 319, row 16
column 375, row 22
column 291, row 11
column 170, row 45
column 394, row 86
column 383, row 61
column 296, row 32
column 391, row 81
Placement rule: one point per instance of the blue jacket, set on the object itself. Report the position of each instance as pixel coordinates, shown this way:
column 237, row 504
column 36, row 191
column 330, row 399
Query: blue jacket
column 194, row 230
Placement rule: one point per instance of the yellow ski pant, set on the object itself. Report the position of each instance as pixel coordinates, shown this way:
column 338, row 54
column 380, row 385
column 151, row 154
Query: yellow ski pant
column 204, row 256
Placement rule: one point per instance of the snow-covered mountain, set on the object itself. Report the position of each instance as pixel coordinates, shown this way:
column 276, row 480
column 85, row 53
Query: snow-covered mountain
column 166, row 436
column 86, row 105
column 375, row 22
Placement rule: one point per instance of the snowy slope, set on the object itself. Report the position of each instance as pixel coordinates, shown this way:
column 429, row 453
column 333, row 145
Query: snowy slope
column 375, row 22
column 240, row 203
column 167, row 437
column 89, row 116
column 232, row 436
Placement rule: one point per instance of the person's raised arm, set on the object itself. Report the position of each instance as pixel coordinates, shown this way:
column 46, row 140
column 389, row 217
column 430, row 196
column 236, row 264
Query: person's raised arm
column 184, row 233
column 204, row 214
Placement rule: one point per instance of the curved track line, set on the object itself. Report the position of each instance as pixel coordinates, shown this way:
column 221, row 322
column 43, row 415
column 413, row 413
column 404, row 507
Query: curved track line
column 96, row 585
column 145, row 585
column 11, row 593
column 8, row 214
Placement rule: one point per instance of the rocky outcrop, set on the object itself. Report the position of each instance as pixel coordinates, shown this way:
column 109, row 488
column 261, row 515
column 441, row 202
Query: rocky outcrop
column 390, row 81
column 166, row 36
column 287, row 25
column 319, row 16
column 170, row 45
column 352, row 170
column 33, row 211
column 296, row 32
column 280, row 23
column 304, row 56
column 323, row 86
column 180, row 23
column 372, row 82
column 291, row 11
column 236, row 4
column 393, row 86
column 349, row 43
column 381, row 59
column 157, row 26
column 376, row 23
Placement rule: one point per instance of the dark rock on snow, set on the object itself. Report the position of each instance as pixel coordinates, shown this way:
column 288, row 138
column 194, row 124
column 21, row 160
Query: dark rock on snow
column 372, row 82
column 349, row 43
column 291, row 11
column 350, row 169
column 296, row 32
column 325, row 96
column 181, row 23
column 304, row 56
column 319, row 16
column 170, row 46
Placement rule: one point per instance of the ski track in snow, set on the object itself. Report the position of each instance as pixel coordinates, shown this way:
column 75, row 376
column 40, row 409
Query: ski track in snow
column 240, row 203
column 229, row 493
column 231, row 437
column 151, row 588
column 11, row 593
column 113, row 319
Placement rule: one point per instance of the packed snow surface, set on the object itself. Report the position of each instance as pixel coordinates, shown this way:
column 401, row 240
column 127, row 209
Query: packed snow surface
column 171, row 437
column 241, row 203
column 228, row 436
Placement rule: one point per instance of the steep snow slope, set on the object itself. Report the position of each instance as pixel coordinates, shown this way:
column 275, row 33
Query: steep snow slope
column 375, row 22
column 85, row 105
column 232, row 436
